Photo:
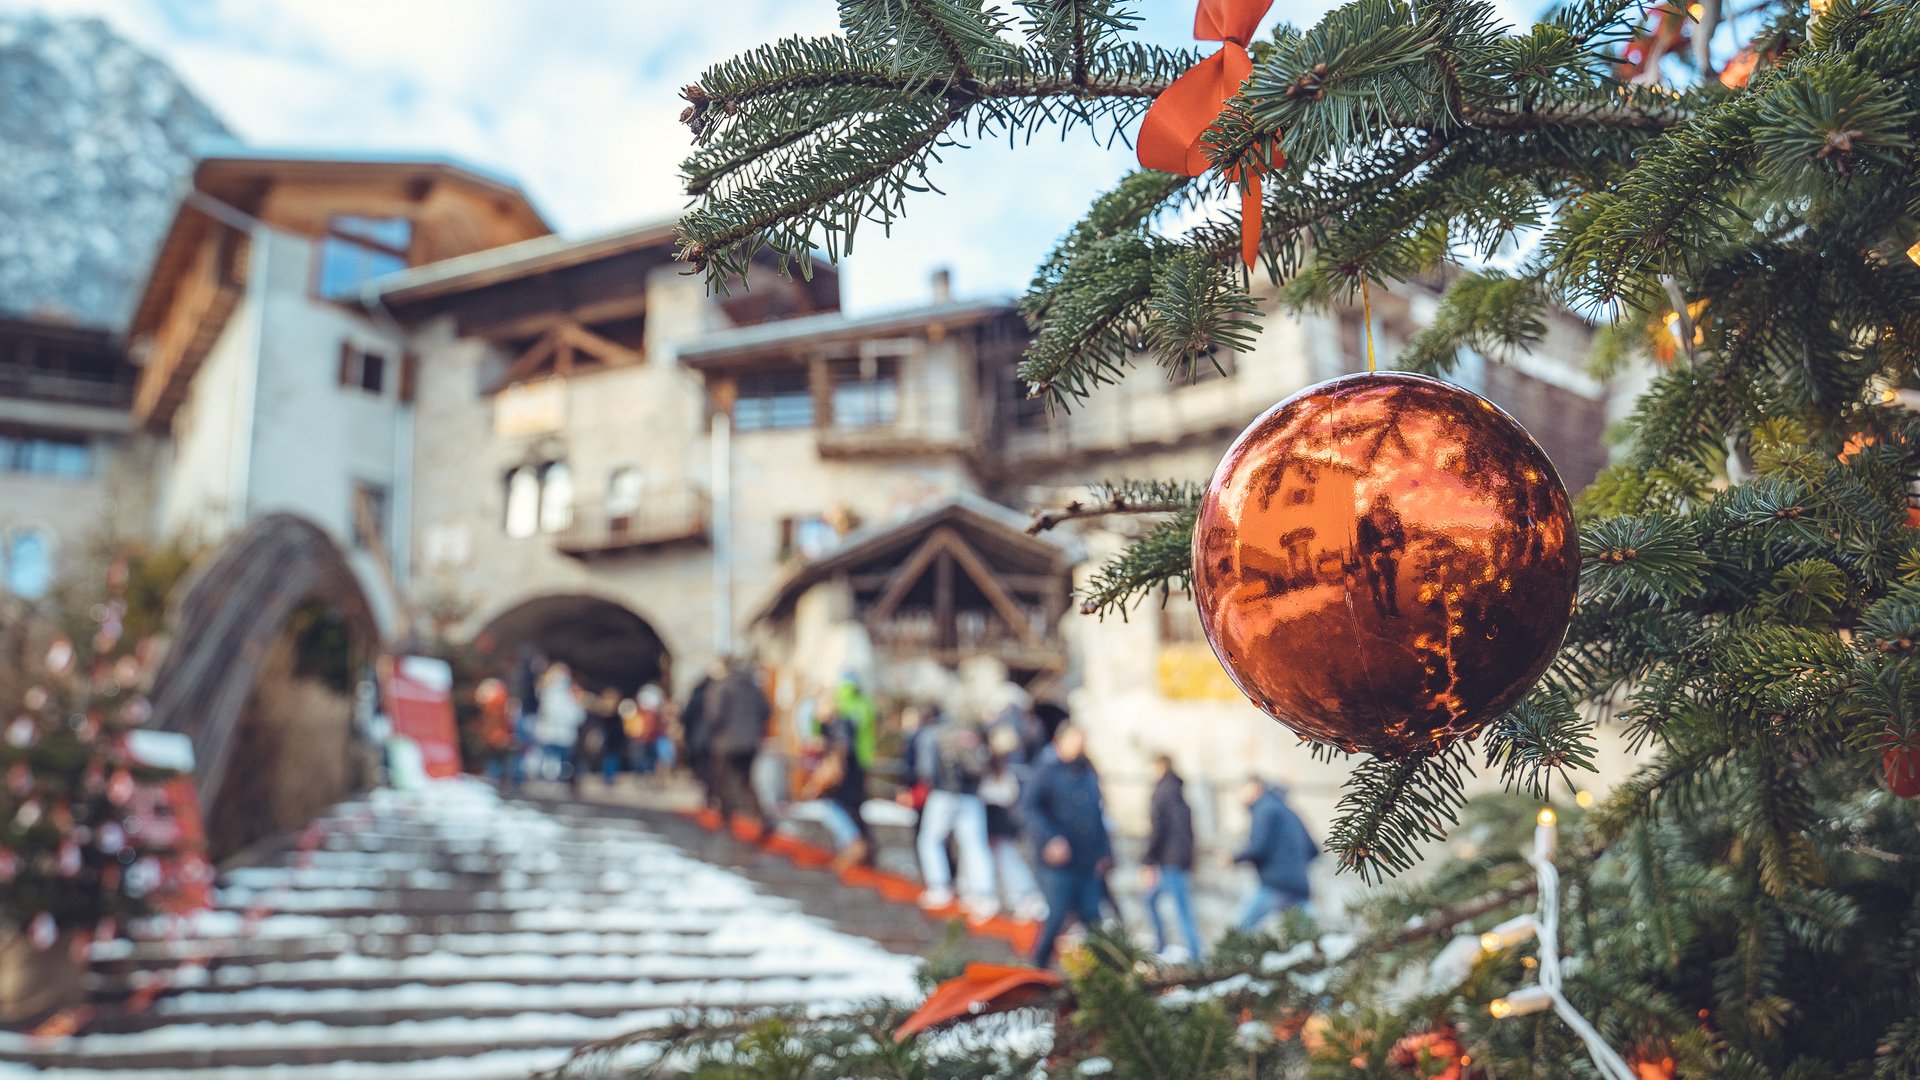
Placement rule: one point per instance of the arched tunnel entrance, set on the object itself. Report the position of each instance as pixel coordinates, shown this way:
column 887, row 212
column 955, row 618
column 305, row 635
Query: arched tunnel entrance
column 605, row 643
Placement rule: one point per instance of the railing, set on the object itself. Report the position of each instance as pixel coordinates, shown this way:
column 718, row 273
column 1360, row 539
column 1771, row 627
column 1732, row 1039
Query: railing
column 22, row 382
column 925, row 418
column 666, row 515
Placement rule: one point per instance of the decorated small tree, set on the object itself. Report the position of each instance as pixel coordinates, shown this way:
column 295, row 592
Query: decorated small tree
column 77, row 858
column 1734, row 204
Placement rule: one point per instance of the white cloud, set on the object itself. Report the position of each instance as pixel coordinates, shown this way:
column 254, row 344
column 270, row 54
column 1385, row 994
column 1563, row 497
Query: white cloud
column 579, row 100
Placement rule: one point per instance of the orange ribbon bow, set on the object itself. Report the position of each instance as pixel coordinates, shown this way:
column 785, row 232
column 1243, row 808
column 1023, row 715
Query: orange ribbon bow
column 1170, row 134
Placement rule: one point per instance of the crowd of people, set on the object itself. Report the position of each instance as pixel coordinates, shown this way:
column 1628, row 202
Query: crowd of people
column 542, row 723
column 1009, row 811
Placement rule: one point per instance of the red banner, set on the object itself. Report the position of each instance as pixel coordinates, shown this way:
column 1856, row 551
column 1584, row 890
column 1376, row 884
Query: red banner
column 420, row 703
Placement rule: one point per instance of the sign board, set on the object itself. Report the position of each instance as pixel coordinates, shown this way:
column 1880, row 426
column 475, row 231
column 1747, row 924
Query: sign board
column 530, row 408
column 420, row 704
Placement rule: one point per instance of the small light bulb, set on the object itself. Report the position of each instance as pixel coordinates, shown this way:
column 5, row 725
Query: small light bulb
column 1914, row 252
column 1695, row 10
column 1490, row 942
column 1500, row 1009
column 1583, row 798
column 1547, row 816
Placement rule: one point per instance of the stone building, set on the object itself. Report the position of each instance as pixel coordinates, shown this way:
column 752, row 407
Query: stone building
column 72, row 463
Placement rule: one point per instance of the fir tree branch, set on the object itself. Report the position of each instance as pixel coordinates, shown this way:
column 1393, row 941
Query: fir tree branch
column 1124, row 497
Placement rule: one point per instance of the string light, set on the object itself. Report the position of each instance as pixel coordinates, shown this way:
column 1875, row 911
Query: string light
column 1527, row 999
column 1507, row 934
column 1545, row 993
column 1583, row 798
column 1914, row 252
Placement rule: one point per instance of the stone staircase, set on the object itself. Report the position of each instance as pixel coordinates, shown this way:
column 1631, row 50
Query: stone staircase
column 452, row 934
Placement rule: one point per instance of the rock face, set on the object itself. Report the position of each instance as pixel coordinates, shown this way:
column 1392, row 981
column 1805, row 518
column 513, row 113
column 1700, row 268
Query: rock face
column 96, row 138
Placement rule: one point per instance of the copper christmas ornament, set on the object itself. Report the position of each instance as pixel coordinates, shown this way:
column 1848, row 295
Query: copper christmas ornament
column 1385, row 562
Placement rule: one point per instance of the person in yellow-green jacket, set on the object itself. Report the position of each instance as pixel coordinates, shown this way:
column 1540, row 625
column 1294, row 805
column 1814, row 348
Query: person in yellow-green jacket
column 852, row 704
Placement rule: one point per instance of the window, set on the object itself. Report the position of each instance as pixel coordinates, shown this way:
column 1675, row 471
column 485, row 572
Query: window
column 807, row 536
column 771, row 400
column 370, row 513
column 362, row 369
column 357, row 249
column 556, row 497
column 46, row 455
column 624, row 488
column 866, row 392
column 1029, row 412
column 27, row 559
column 523, row 502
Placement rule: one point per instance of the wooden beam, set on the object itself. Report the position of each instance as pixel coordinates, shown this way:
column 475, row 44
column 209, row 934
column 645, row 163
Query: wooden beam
column 982, row 575
column 610, row 353
column 946, row 631
column 905, row 575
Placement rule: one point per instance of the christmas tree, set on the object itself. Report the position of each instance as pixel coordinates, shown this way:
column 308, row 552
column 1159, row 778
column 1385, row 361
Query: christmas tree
column 1732, row 203
column 76, row 857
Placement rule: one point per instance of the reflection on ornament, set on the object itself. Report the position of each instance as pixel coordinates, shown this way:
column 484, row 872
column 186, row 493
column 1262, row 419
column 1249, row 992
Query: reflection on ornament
column 120, row 787
column 143, row 877
column 42, row 931
column 1385, row 562
column 20, row 733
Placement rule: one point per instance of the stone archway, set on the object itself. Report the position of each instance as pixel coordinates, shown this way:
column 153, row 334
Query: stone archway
column 605, row 642
column 230, row 631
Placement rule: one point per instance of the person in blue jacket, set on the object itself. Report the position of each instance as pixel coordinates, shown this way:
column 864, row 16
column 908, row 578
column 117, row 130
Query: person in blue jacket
column 1068, row 825
column 1279, row 849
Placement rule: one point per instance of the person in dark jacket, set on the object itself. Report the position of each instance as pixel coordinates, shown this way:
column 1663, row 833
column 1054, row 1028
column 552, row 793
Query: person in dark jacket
column 1167, row 866
column 735, row 718
column 1279, row 849
column 697, row 733
column 1068, row 825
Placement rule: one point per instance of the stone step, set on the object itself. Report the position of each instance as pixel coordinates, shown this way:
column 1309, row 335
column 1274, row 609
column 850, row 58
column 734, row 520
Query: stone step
column 360, row 1004
column 275, row 1058
column 156, row 956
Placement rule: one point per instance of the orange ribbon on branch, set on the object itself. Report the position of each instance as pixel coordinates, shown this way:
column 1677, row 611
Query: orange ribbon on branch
column 1170, row 136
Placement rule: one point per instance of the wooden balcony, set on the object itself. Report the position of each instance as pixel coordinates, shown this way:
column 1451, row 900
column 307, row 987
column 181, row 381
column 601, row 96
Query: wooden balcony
column 664, row 516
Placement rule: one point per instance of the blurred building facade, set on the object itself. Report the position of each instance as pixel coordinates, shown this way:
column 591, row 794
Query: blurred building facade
column 532, row 443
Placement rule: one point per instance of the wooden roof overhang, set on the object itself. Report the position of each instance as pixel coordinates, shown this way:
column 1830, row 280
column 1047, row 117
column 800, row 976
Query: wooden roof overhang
column 199, row 273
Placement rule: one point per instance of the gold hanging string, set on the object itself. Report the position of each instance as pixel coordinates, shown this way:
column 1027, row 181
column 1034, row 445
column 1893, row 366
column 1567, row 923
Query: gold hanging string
column 1366, row 314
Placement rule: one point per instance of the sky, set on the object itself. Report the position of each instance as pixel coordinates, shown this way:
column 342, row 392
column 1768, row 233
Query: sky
column 579, row 100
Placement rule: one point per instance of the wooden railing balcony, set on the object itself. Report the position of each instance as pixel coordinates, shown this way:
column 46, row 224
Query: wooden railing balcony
column 662, row 516
column 34, row 385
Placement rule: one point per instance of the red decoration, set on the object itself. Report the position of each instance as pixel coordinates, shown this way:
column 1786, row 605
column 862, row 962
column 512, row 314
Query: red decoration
column 1901, row 764
column 980, row 989
column 1385, row 562
column 1419, row 1053
column 1170, row 134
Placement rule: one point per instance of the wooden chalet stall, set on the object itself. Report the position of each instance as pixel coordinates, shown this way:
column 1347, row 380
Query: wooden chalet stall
column 955, row 579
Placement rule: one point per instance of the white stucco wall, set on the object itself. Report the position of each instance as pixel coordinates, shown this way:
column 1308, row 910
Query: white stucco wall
column 198, row 481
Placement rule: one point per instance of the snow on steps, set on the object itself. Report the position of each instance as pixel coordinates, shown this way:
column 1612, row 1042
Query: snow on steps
column 448, row 933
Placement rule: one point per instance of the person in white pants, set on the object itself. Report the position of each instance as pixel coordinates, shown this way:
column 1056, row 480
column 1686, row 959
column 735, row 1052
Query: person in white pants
column 1000, row 791
column 954, row 757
